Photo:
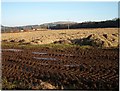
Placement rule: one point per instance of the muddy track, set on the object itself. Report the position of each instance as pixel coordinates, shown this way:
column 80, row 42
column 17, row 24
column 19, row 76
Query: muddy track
column 73, row 68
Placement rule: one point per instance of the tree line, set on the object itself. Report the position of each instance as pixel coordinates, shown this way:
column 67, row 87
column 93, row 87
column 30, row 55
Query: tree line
column 102, row 24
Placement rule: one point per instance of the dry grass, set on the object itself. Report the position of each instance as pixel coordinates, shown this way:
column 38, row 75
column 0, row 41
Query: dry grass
column 50, row 36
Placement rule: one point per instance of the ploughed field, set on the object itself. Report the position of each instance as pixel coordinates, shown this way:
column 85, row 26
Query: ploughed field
column 72, row 68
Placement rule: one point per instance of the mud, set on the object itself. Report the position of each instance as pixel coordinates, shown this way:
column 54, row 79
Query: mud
column 72, row 68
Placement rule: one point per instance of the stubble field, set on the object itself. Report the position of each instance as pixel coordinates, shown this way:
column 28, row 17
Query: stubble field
column 109, row 36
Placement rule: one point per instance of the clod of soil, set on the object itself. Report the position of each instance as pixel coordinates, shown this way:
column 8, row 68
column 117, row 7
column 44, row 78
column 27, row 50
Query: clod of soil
column 92, row 40
column 21, row 41
column 62, row 42
column 46, row 85
column 5, row 40
column 105, row 35
column 12, row 40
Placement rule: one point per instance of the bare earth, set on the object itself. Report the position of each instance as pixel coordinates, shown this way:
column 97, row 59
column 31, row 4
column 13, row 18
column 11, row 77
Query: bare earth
column 50, row 36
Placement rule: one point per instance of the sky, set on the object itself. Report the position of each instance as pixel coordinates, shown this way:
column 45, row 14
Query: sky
column 32, row 13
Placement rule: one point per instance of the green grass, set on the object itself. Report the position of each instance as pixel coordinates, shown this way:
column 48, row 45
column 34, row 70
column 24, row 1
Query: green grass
column 50, row 46
column 29, row 46
column 7, row 85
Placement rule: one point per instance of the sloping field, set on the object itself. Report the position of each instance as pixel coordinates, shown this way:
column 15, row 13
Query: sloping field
column 107, row 37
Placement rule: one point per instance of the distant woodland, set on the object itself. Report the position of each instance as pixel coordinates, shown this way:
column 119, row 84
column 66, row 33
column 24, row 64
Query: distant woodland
column 114, row 23
column 103, row 24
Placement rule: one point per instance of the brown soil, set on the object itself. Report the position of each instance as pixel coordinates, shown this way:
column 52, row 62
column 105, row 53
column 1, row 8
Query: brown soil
column 72, row 68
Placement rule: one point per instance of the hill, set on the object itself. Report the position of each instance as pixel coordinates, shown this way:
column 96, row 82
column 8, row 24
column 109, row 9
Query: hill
column 114, row 23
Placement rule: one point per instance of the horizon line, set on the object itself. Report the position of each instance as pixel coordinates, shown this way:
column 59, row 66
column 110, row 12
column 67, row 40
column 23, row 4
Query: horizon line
column 58, row 21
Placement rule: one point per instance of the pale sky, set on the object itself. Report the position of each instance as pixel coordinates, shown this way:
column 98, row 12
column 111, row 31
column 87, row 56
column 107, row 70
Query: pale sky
column 31, row 13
